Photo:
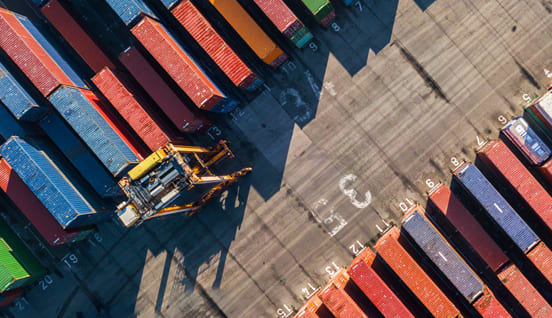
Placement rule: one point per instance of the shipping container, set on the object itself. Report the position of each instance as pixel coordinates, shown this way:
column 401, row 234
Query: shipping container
column 16, row 98
column 527, row 141
column 322, row 10
column 541, row 257
column 286, row 21
column 54, row 189
column 525, row 293
column 443, row 202
column 375, row 288
column 419, row 283
column 250, row 32
column 541, row 112
column 546, row 170
column 82, row 158
column 18, row 266
column 337, row 300
column 75, row 35
column 439, row 251
column 140, row 116
column 100, row 136
column 473, row 181
column 33, row 54
column 511, row 171
column 25, row 200
column 130, row 10
column 489, row 307
column 229, row 62
column 10, row 296
column 314, row 308
column 181, row 67
column 186, row 118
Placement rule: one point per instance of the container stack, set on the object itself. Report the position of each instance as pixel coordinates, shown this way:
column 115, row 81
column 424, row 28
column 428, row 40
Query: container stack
column 443, row 204
column 286, row 21
column 322, row 10
column 250, row 32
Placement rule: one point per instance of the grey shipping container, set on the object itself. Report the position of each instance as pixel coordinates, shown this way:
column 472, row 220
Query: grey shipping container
column 475, row 183
column 434, row 245
column 96, row 132
column 130, row 10
column 17, row 99
column 53, row 188
column 76, row 151
column 527, row 141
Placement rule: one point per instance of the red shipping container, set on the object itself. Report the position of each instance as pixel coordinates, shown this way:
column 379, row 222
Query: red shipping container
column 280, row 14
column 29, row 55
column 79, row 40
column 195, row 23
column 375, row 288
column 130, row 140
column 135, row 111
column 185, row 72
column 541, row 257
column 488, row 306
column 32, row 208
column 441, row 200
column 421, row 285
column 546, row 170
column 314, row 308
column 505, row 164
column 337, row 300
column 187, row 119
column 11, row 295
column 524, row 292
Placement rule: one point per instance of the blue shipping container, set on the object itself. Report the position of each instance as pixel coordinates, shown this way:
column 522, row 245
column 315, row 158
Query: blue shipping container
column 60, row 61
column 54, row 189
column 96, row 132
column 442, row 254
column 16, row 98
column 130, row 10
column 80, row 156
column 496, row 206
column 527, row 141
column 169, row 3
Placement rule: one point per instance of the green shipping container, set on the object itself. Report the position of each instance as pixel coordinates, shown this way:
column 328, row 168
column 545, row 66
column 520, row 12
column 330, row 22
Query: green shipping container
column 320, row 8
column 532, row 118
column 18, row 266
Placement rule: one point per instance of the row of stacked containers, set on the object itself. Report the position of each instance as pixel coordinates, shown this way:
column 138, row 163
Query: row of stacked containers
column 440, row 261
column 67, row 138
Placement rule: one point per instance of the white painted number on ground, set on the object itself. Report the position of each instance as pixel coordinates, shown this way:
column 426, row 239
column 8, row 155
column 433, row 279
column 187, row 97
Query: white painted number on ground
column 292, row 96
column 547, row 73
column 527, row 98
column 357, row 248
column 214, row 132
column 502, row 120
column 359, row 5
column 309, row 291
column 430, row 183
column 480, row 142
column 289, row 67
column 332, row 269
column 20, row 303
column 70, row 259
column 313, row 46
column 332, row 221
column 45, row 282
column 284, row 312
column 314, row 87
column 455, row 161
column 330, row 87
column 404, row 206
column 344, row 185
column 336, row 27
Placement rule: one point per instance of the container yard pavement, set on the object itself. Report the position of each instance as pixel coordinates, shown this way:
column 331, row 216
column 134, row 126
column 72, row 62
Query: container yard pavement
column 342, row 141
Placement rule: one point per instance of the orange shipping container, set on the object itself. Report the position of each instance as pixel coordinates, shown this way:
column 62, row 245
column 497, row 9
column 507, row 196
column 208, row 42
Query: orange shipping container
column 250, row 32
